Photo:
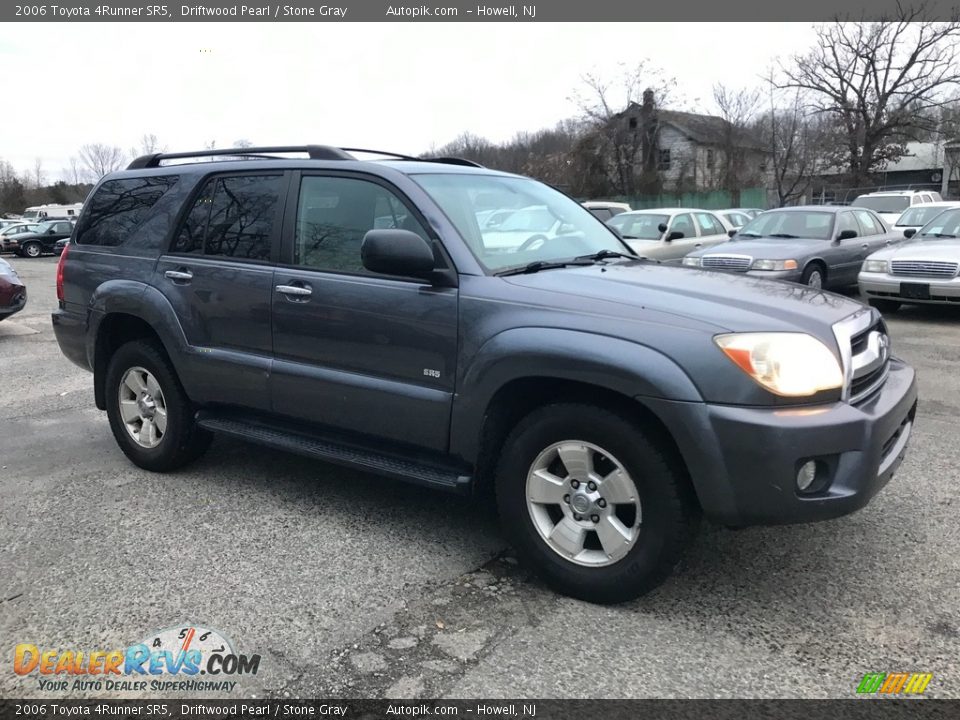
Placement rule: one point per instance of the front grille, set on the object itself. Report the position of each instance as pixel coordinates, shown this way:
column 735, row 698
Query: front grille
column 924, row 269
column 870, row 360
column 739, row 263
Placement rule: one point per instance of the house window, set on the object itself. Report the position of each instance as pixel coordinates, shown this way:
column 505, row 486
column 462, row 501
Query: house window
column 709, row 158
column 633, row 123
column 664, row 160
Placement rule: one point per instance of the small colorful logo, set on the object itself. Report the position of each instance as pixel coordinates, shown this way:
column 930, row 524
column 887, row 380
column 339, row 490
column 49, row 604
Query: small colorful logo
column 894, row 683
column 185, row 651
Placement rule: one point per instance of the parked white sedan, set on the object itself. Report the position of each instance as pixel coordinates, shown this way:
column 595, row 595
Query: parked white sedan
column 919, row 215
column 670, row 233
column 924, row 269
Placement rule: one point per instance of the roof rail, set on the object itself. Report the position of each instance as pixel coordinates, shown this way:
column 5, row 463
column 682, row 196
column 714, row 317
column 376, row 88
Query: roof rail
column 453, row 161
column 316, row 152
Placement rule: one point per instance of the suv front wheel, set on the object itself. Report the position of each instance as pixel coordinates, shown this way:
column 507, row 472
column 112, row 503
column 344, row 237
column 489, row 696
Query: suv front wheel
column 591, row 502
column 150, row 415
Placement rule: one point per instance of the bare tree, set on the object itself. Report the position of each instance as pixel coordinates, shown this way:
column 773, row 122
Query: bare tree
column 242, row 143
column 37, row 177
column 99, row 159
column 879, row 81
column 618, row 141
column 738, row 108
column 75, row 172
column 149, row 144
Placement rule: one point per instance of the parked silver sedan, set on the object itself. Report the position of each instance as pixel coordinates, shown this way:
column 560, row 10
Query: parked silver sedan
column 670, row 233
column 922, row 270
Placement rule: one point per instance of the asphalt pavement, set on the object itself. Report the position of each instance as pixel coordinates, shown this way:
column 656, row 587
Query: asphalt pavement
column 352, row 585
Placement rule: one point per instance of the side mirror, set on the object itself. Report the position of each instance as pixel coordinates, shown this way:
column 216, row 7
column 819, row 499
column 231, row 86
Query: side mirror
column 396, row 252
column 847, row 235
column 731, row 233
column 909, row 232
column 662, row 227
column 52, row 231
column 675, row 235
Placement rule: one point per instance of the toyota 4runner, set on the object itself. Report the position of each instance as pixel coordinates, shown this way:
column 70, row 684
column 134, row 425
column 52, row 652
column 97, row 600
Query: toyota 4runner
column 361, row 313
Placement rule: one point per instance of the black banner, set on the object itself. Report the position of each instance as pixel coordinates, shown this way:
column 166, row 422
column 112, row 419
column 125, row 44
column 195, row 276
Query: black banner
column 461, row 11
column 865, row 709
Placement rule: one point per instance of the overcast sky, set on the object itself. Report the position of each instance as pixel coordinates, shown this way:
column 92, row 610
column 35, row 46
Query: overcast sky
column 391, row 86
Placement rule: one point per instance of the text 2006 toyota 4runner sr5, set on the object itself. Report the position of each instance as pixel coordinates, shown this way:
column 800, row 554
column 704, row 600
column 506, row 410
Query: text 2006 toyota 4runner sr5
column 458, row 327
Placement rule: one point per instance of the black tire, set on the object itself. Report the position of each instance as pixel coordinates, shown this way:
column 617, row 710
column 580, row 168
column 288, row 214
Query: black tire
column 31, row 250
column 182, row 441
column 812, row 270
column 669, row 511
column 885, row 306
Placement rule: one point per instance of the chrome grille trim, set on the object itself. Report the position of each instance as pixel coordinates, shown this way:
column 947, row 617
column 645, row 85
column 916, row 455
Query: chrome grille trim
column 924, row 268
column 865, row 330
column 739, row 263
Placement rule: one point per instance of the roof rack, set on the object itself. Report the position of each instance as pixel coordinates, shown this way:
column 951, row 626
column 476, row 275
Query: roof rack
column 315, row 152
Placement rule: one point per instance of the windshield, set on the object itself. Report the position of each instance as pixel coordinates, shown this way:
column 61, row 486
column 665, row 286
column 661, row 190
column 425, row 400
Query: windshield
column 919, row 215
column 538, row 219
column 946, row 224
column 790, row 224
column 30, row 215
column 644, row 226
column 883, row 203
column 541, row 224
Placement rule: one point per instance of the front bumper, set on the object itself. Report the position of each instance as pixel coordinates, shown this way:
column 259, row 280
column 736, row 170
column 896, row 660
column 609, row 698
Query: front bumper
column 10, row 245
column 790, row 275
column 744, row 460
column 882, row 286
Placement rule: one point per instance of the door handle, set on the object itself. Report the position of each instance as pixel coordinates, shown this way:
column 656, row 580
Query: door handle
column 865, row 246
column 179, row 275
column 699, row 245
column 296, row 291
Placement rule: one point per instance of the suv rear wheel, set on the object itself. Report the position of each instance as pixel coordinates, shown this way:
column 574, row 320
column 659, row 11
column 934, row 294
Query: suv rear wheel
column 150, row 415
column 591, row 503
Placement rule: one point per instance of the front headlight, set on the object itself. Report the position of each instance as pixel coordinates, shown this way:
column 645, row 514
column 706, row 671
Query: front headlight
column 788, row 364
column 774, row 265
column 875, row 266
column 691, row 262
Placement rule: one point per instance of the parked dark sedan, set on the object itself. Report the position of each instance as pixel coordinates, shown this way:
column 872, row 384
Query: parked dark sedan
column 814, row 245
column 43, row 241
column 13, row 294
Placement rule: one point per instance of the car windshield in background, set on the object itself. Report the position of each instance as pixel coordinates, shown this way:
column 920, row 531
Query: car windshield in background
column 944, row 225
column 640, row 227
column 789, row 224
column 888, row 204
column 540, row 224
column 918, row 216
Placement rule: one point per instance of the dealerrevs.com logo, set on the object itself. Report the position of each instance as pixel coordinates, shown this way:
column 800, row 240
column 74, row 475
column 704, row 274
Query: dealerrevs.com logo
column 182, row 658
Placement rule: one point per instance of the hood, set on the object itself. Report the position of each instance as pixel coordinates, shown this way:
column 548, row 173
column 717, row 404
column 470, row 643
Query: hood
column 766, row 249
column 947, row 250
column 726, row 301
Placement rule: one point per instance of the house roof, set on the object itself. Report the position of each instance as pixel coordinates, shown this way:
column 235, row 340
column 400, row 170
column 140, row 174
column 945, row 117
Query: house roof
column 704, row 129
column 918, row 156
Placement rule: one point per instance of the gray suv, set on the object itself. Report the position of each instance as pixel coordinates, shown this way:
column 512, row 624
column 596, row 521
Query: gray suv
column 358, row 312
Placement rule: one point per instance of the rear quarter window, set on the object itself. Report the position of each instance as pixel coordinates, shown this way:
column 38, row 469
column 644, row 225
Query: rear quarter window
column 119, row 207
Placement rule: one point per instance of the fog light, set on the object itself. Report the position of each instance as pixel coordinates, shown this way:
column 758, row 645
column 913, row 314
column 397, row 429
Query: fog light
column 806, row 475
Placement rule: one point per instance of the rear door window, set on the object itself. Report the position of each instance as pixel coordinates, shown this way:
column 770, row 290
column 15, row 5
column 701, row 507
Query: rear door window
column 232, row 216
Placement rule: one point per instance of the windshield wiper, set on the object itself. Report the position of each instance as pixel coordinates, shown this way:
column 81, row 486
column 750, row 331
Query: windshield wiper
column 939, row 235
column 749, row 234
column 783, row 235
column 604, row 254
column 541, row 265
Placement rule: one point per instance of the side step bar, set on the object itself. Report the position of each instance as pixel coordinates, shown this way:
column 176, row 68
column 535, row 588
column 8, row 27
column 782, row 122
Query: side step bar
column 433, row 476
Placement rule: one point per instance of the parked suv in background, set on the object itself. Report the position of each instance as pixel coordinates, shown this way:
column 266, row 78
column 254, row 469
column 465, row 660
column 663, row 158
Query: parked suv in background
column 44, row 240
column 354, row 312
column 890, row 204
